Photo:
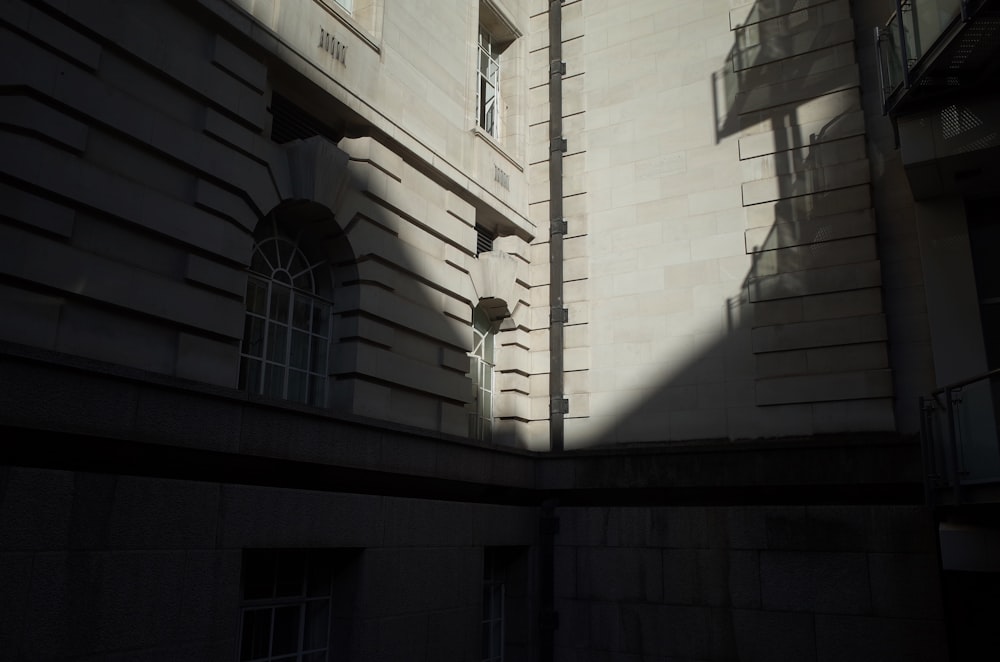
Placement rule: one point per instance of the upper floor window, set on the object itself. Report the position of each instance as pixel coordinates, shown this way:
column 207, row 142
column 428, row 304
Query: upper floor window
column 287, row 327
column 488, row 89
column 499, row 63
column 346, row 4
column 481, row 367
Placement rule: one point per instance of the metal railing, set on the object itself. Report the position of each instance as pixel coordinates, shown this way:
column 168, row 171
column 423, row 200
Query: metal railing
column 912, row 32
column 958, row 432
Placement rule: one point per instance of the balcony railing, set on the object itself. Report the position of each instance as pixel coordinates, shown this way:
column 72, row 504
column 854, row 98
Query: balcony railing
column 959, row 437
column 912, row 38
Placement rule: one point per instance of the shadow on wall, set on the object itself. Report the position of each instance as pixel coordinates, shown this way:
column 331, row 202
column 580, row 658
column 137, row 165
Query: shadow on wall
column 390, row 359
column 808, row 215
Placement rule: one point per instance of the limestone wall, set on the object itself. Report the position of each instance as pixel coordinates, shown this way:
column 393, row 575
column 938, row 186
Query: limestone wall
column 723, row 277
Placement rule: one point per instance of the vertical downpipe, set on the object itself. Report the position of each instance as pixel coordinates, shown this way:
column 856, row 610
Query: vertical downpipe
column 548, row 524
column 557, row 228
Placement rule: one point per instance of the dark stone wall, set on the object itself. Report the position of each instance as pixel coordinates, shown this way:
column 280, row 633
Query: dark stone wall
column 112, row 567
column 819, row 583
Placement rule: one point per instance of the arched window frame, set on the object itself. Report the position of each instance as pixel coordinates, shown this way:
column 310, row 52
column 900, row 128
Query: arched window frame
column 289, row 320
column 482, row 366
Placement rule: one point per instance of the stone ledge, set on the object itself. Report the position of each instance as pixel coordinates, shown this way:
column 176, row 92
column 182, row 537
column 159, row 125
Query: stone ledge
column 76, row 413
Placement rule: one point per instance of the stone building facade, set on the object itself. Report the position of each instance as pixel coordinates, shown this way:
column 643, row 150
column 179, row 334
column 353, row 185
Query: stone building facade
column 464, row 329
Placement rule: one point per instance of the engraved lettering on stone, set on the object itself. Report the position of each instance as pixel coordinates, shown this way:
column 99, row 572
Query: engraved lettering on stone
column 501, row 177
column 334, row 46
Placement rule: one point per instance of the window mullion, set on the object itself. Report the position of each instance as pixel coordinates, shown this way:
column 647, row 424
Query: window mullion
column 303, row 614
column 289, row 311
column 267, row 335
column 270, row 635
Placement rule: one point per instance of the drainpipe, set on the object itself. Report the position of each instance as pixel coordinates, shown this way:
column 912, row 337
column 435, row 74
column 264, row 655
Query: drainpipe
column 558, row 404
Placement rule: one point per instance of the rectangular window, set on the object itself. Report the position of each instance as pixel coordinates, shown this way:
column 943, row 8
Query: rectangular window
column 500, row 90
column 346, row 4
column 493, row 607
column 507, row 605
column 488, row 90
column 295, row 602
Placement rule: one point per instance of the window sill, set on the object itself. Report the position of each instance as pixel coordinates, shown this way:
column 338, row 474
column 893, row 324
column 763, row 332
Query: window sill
column 497, row 147
column 369, row 36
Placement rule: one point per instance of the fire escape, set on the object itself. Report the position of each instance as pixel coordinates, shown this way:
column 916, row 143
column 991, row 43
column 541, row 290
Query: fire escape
column 934, row 52
column 939, row 69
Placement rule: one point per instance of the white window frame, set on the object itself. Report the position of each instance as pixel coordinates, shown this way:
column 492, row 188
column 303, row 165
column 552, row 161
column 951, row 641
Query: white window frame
column 311, row 600
column 493, row 622
column 288, row 325
column 488, row 77
column 482, row 365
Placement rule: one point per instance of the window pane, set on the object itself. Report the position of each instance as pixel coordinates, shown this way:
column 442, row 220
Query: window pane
column 255, row 376
column 321, row 314
column 299, row 356
column 274, row 382
column 286, row 630
column 280, row 297
column 297, row 263
column 268, row 251
column 496, row 639
column 250, row 371
column 496, row 606
column 318, row 351
column 486, row 641
column 277, row 342
column 474, row 370
column 301, row 312
column 304, row 281
column 488, row 348
column 297, row 385
column 256, row 296
column 317, row 390
column 256, row 633
column 282, row 252
column 258, row 263
column 486, row 95
column 317, row 624
column 253, row 336
column 244, row 368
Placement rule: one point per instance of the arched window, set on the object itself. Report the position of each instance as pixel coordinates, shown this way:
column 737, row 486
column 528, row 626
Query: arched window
column 481, row 363
column 287, row 330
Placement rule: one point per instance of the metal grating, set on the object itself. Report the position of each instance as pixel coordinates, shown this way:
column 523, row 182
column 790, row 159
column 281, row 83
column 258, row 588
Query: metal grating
column 290, row 122
column 484, row 240
column 962, row 59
